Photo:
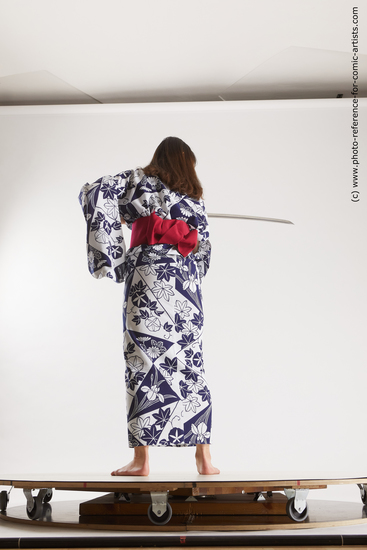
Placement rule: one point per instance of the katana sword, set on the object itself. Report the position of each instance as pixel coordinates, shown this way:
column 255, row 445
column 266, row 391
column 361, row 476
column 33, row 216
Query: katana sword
column 241, row 217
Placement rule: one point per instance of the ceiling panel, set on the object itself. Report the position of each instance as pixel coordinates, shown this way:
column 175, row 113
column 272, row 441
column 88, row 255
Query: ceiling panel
column 118, row 51
column 39, row 88
column 300, row 73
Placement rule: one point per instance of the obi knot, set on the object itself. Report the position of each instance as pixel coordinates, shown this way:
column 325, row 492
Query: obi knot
column 154, row 230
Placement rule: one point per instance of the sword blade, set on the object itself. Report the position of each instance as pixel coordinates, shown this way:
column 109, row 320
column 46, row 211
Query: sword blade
column 241, row 217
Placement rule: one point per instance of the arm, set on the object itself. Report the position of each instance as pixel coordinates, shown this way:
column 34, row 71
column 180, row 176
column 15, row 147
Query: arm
column 202, row 251
column 105, row 242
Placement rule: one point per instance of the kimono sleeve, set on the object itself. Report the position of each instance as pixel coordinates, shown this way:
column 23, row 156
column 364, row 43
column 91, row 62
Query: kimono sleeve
column 106, row 248
column 203, row 255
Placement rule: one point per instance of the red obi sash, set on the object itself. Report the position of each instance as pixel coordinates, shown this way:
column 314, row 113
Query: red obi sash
column 154, row 230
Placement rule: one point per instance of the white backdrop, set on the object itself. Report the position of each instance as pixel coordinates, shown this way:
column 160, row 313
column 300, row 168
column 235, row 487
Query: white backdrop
column 285, row 342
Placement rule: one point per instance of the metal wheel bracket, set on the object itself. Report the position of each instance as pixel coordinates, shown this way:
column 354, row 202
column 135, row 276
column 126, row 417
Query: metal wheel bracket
column 4, row 500
column 31, row 499
column 159, row 502
column 122, row 497
column 363, row 490
column 300, row 498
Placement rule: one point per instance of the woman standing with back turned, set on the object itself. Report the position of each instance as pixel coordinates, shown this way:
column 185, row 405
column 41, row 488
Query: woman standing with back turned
column 168, row 399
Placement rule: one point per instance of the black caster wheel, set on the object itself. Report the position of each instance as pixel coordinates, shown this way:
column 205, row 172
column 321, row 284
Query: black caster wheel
column 4, row 499
column 48, row 496
column 46, row 512
column 293, row 514
column 160, row 520
column 364, row 496
column 270, row 493
column 36, row 511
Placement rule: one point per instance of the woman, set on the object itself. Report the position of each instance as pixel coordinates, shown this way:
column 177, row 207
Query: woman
column 168, row 400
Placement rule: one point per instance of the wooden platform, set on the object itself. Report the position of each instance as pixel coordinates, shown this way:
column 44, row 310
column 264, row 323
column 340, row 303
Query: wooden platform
column 66, row 514
column 224, row 482
column 229, row 502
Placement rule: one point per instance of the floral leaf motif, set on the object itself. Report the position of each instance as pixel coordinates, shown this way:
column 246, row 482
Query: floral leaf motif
column 176, row 436
column 130, row 380
column 137, row 319
column 138, row 294
column 165, row 272
column 116, row 225
column 195, row 385
column 151, row 435
column 182, row 308
column 184, row 389
column 190, row 283
column 139, row 297
column 139, row 287
column 109, row 191
column 101, row 236
column 153, row 324
column 186, row 210
column 191, row 403
column 130, row 347
column 144, row 314
column 167, row 327
column 115, row 251
column 153, row 393
column 190, row 328
column 107, row 227
column 100, row 217
column 159, row 312
column 179, row 323
column 198, row 359
column 94, row 225
column 189, row 374
column 162, row 290
column 135, row 363
column 138, row 427
column 162, row 417
column 133, row 442
column 181, row 265
column 198, row 320
column 169, row 364
column 186, row 340
column 201, row 432
column 152, row 305
column 205, row 394
column 188, row 353
column 112, row 210
column 148, row 269
column 156, row 349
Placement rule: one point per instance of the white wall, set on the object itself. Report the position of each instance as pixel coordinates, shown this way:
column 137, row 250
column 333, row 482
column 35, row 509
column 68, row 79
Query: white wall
column 285, row 335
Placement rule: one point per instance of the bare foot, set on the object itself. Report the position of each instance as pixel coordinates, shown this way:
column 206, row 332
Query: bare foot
column 132, row 469
column 139, row 466
column 204, row 462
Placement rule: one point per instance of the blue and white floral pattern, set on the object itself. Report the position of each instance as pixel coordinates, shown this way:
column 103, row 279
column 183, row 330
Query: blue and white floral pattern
column 168, row 399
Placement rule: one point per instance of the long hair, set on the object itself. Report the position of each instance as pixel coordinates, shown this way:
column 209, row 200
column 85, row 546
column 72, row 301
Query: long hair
column 174, row 163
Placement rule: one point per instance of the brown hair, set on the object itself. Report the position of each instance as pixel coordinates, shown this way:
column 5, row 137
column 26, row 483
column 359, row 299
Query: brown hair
column 174, row 163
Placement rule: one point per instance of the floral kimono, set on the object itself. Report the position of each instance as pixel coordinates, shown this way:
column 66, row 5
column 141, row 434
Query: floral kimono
column 168, row 399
